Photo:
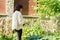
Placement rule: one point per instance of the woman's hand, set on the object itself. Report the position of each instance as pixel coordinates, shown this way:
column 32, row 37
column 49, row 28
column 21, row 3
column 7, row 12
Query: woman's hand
column 14, row 31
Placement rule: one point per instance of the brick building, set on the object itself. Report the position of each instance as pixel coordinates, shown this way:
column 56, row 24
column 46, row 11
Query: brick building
column 7, row 6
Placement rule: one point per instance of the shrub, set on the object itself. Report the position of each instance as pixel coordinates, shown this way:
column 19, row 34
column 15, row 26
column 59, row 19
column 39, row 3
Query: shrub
column 48, row 8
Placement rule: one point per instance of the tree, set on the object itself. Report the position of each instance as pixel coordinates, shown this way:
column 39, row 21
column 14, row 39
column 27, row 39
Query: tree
column 48, row 8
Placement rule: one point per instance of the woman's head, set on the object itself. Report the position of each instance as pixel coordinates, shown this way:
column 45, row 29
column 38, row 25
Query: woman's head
column 19, row 7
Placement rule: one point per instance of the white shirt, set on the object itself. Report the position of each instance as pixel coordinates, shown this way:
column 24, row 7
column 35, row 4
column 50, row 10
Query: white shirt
column 17, row 20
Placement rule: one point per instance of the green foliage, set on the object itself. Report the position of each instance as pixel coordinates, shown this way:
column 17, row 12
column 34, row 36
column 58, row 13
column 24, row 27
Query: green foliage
column 4, row 37
column 37, row 33
column 33, row 33
column 48, row 7
column 7, row 37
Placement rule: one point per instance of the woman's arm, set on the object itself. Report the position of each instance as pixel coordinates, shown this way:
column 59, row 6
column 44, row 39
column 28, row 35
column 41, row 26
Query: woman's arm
column 20, row 19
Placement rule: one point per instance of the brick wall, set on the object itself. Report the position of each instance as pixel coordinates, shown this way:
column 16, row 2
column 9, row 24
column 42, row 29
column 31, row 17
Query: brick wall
column 6, row 6
column 31, row 10
column 27, row 6
column 2, row 6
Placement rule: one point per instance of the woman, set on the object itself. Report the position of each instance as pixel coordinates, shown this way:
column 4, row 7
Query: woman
column 17, row 21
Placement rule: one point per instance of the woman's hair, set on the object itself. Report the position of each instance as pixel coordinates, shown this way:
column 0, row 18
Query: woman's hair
column 18, row 7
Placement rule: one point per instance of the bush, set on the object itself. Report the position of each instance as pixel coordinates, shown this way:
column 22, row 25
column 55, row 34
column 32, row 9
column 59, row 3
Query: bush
column 48, row 8
column 37, row 33
column 33, row 33
column 7, row 37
